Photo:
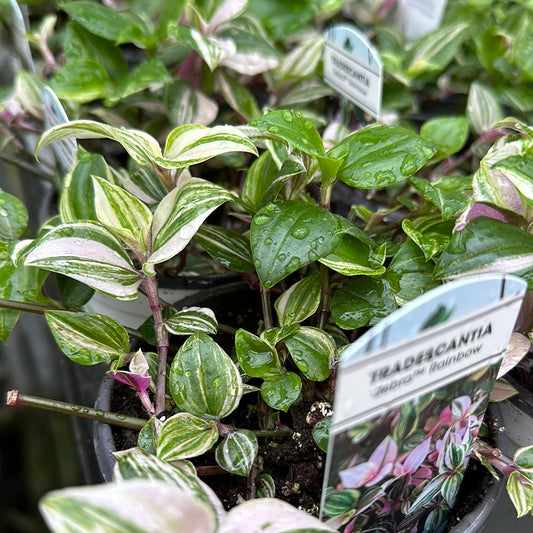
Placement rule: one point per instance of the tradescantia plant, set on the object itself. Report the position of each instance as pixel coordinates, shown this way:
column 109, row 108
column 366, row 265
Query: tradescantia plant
column 321, row 275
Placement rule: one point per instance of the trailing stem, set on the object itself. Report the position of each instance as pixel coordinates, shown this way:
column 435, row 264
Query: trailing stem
column 267, row 308
column 161, row 335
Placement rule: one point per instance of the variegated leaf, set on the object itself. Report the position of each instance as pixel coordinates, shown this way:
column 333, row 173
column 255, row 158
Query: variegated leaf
column 303, row 59
column 305, row 91
column 184, row 435
column 88, row 253
column 520, row 492
column 115, row 507
column 226, row 11
column 483, row 108
column 13, row 216
column 205, row 47
column 87, row 338
column 188, row 106
column 266, row 486
column 192, row 143
column 300, row 301
column 138, row 464
column 141, row 147
column 237, row 452
column 313, row 351
column 256, row 356
column 203, row 378
column 123, row 214
column 269, row 515
column 238, row 96
column 179, row 215
column 190, row 320
column 229, row 248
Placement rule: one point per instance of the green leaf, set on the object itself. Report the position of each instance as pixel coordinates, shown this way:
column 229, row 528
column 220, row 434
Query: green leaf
column 135, row 463
column 77, row 198
column 73, row 293
column 206, row 48
column 237, row 452
column 313, row 351
column 123, row 214
column 364, row 165
column 362, row 302
column 258, row 186
column 448, row 134
column 321, row 433
column 238, row 97
column 147, row 74
column 88, row 253
column 266, row 487
column 103, row 21
column 80, row 81
column 141, row 147
column 229, row 248
column 190, row 320
column 280, row 392
column 288, row 235
column 86, row 338
column 487, row 245
column 13, row 216
column 410, row 274
column 184, row 435
column 291, row 126
column 450, row 203
column 430, row 232
column 191, row 144
column 432, row 53
column 179, row 215
column 256, row 356
column 523, row 457
column 483, row 108
column 299, row 302
column 114, row 508
column 203, row 378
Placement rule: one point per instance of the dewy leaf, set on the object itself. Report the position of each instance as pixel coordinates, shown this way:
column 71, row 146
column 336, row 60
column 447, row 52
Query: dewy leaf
column 429, row 232
column 256, row 356
column 87, row 338
column 115, row 507
column 364, row 164
column 299, row 302
column 13, row 216
column 313, row 351
column 180, row 214
column 293, row 128
column 88, row 253
column 123, row 214
column 141, row 147
column 280, row 392
column 80, row 81
column 203, row 378
column 229, row 248
column 487, row 245
column 184, row 435
column 361, row 302
column 237, row 452
column 288, row 235
column 190, row 320
column 135, row 463
column 192, row 143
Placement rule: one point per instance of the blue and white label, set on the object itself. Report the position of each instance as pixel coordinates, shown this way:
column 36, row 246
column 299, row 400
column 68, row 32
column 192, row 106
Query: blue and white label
column 353, row 68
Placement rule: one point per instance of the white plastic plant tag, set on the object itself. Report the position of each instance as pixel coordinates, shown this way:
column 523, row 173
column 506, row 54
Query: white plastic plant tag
column 352, row 67
column 416, row 18
column 54, row 115
column 410, row 398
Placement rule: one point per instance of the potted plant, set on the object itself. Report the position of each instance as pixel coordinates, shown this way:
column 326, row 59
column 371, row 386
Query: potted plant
column 312, row 261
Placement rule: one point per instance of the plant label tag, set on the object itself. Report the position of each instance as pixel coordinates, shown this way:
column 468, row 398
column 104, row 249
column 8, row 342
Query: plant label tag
column 54, row 114
column 353, row 67
column 410, row 398
column 416, row 18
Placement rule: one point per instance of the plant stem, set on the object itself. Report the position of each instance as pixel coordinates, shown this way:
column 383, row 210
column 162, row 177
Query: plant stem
column 267, row 309
column 161, row 334
column 323, row 309
column 16, row 399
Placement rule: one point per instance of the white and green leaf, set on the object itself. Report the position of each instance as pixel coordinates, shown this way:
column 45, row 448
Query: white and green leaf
column 299, row 301
column 191, row 320
column 237, row 452
column 184, row 435
column 203, row 379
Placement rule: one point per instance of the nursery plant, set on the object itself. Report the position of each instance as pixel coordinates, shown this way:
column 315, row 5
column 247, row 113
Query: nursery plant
column 321, row 278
